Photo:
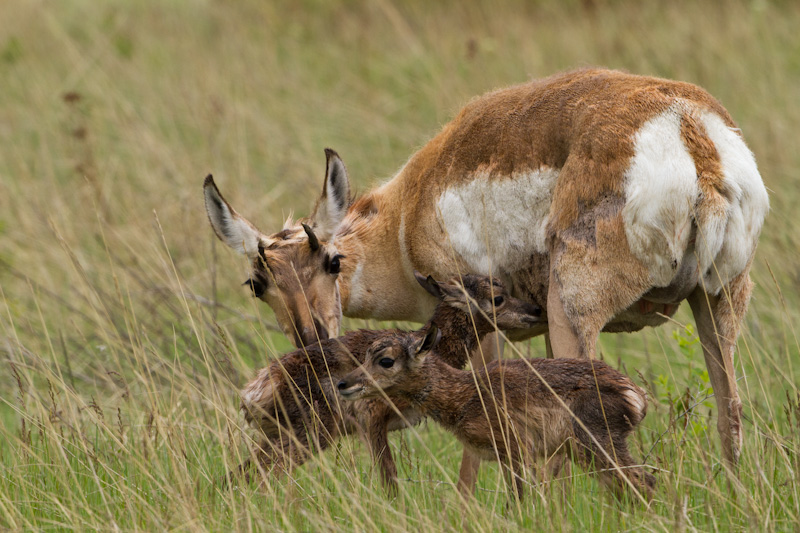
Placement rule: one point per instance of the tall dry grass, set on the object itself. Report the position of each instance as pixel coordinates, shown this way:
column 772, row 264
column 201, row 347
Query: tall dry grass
column 124, row 334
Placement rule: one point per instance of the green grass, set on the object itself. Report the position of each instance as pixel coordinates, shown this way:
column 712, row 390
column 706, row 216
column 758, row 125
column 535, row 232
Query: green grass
column 124, row 333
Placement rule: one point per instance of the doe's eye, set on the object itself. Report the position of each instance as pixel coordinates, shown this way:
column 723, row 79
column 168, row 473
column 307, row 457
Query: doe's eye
column 256, row 286
column 386, row 362
column 334, row 266
column 498, row 301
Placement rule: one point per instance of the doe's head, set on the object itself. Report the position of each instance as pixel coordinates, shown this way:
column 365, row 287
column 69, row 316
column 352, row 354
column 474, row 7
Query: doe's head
column 294, row 270
column 390, row 365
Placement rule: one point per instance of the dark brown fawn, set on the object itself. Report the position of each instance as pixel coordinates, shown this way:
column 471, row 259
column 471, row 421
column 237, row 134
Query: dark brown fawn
column 293, row 402
column 513, row 411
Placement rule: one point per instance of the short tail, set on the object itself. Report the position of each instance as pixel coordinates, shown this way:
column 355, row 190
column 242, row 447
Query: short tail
column 732, row 201
column 636, row 402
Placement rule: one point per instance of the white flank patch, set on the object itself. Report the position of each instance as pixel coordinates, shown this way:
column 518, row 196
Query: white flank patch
column 660, row 191
column 498, row 222
column 749, row 206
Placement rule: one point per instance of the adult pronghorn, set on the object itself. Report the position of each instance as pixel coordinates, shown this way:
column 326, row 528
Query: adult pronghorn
column 606, row 198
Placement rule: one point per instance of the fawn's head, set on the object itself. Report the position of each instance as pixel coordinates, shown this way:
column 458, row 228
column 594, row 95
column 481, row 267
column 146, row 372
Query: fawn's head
column 483, row 300
column 390, row 364
column 294, row 270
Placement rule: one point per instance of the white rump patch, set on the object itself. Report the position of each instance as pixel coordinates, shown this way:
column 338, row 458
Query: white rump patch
column 636, row 401
column 660, row 191
column 498, row 222
column 748, row 208
column 257, row 390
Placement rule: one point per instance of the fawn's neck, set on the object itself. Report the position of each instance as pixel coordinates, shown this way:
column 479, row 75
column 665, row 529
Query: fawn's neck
column 440, row 390
column 461, row 336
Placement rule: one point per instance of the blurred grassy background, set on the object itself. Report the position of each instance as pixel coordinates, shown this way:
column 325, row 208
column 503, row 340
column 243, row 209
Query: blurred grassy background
column 124, row 333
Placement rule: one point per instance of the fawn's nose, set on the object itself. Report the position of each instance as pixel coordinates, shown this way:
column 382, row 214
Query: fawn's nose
column 533, row 311
column 341, row 385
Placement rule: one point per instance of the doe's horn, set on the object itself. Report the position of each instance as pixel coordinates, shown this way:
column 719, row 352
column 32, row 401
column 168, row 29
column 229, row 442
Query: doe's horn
column 312, row 238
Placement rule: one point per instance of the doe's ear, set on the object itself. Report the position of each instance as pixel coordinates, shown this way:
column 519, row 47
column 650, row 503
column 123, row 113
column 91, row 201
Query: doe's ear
column 429, row 284
column 232, row 229
column 335, row 199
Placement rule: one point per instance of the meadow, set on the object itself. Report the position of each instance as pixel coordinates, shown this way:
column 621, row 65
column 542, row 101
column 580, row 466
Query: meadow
column 124, row 331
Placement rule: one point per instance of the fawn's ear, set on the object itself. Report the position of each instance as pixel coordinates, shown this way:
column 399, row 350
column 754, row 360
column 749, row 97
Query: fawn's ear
column 454, row 295
column 430, row 285
column 335, row 199
column 428, row 343
column 232, row 229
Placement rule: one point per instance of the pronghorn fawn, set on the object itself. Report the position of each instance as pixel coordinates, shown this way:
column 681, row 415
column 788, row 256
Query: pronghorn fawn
column 515, row 410
column 604, row 197
column 293, row 402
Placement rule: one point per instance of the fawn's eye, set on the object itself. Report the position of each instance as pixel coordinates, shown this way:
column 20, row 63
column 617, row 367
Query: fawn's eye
column 334, row 266
column 386, row 362
column 256, row 286
column 498, row 301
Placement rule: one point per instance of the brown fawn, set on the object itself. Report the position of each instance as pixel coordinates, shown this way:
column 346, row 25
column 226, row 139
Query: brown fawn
column 513, row 410
column 293, row 402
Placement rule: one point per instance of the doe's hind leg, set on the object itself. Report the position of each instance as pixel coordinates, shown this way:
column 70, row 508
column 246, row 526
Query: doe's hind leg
column 718, row 320
column 590, row 281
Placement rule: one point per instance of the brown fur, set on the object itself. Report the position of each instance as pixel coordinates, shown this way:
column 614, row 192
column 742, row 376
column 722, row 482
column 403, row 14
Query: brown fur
column 293, row 405
column 507, row 412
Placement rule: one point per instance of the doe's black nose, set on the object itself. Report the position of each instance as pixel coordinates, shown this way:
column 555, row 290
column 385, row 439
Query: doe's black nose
column 341, row 385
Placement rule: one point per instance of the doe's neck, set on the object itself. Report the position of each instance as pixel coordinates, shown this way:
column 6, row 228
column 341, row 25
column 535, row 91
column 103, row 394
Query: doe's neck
column 377, row 277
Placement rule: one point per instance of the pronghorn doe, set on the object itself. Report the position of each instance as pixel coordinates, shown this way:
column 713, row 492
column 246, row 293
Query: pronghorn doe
column 514, row 410
column 605, row 197
column 293, row 403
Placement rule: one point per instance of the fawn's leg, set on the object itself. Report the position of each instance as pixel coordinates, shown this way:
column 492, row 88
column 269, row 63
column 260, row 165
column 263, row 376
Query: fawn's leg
column 378, row 434
column 514, row 470
column 243, row 470
column 468, row 473
column 618, row 479
column 491, row 349
column 611, row 459
column 718, row 321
